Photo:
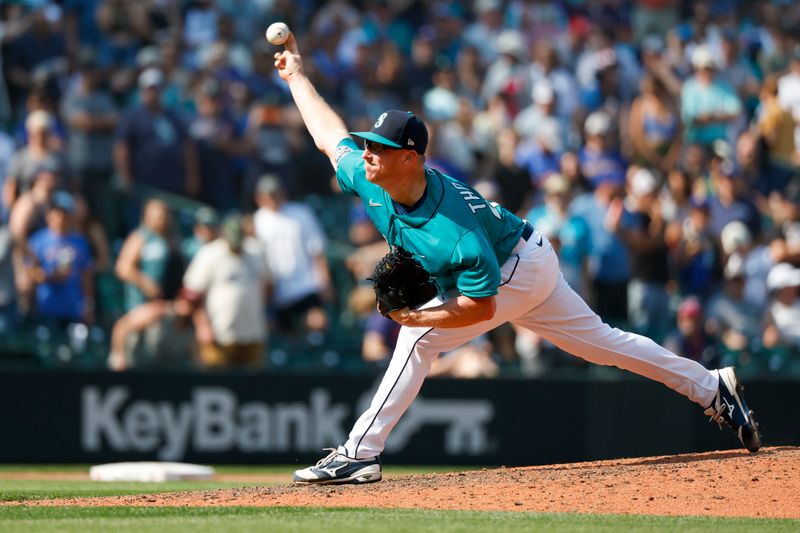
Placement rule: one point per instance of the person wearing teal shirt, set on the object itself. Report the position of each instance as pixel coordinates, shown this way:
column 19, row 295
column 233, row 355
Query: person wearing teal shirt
column 490, row 266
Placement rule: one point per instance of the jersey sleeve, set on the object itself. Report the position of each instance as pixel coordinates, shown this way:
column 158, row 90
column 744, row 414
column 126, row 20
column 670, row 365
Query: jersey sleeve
column 349, row 165
column 475, row 269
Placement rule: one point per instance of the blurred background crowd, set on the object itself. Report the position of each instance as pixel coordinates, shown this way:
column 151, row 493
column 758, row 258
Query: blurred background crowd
column 163, row 205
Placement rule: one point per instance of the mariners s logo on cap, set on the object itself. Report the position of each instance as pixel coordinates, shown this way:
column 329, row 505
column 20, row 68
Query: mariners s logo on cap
column 397, row 129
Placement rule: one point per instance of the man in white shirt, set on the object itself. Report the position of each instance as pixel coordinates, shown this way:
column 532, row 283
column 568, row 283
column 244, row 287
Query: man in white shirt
column 295, row 250
column 230, row 276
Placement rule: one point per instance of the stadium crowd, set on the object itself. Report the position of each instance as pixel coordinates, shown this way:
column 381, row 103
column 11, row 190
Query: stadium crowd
column 161, row 198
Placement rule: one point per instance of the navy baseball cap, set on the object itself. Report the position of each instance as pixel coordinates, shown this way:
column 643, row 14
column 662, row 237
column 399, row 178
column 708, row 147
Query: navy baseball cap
column 397, row 129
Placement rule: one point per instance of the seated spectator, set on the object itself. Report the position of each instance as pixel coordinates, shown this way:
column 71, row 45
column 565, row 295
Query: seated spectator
column 295, row 248
column 756, row 260
column 599, row 162
column 696, row 256
column 789, row 93
column 783, row 313
column 541, row 114
column 28, row 160
column 514, row 182
column 380, row 337
column 609, row 268
column 690, row 338
column 61, row 268
column 570, row 234
column 471, row 361
column 30, row 210
column 731, row 200
column 776, row 132
column 644, row 235
column 785, row 243
column 729, row 317
column 654, row 127
column 539, row 155
column 166, row 336
column 9, row 314
column 226, row 282
column 149, row 264
column 204, row 230
column 708, row 106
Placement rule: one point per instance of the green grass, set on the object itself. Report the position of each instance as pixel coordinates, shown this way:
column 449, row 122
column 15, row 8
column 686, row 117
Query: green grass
column 34, row 489
column 292, row 519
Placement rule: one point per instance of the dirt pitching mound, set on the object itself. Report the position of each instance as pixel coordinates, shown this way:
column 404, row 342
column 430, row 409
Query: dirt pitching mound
column 723, row 483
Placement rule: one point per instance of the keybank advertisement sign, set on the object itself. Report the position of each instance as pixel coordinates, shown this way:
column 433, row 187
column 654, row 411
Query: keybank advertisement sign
column 215, row 420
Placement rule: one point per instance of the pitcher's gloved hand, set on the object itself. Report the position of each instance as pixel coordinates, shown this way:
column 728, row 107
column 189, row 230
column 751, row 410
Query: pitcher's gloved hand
column 401, row 281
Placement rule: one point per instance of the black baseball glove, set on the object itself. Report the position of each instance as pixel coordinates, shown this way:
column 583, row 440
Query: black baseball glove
column 401, row 281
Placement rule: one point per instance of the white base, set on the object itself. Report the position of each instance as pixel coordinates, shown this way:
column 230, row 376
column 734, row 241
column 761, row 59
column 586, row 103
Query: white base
column 149, row 471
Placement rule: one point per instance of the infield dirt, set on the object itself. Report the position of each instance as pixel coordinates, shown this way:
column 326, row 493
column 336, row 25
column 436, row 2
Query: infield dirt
column 723, row 483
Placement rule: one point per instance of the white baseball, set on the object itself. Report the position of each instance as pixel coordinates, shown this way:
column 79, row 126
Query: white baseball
column 277, row 33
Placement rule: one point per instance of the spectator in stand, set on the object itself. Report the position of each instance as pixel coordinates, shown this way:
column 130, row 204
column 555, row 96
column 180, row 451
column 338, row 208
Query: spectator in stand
column 124, row 26
column 729, row 317
column 152, row 147
column 547, row 67
column 91, row 115
column 507, row 74
column 654, row 127
column 9, row 310
column 30, row 210
column 483, row 33
column 785, row 237
column 226, row 282
column 708, row 106
column 514, row 182
column 598, row 160
column 295, row 248
column 789, row 94
column 783, row 313
column 40, row 98
column 540, row 155
column 736, row 70
column 690, row 338
column 696, row 256
column 380, row 337
column 28, row 160
column 731, row 200
column 653, row 17
column 204, row 230
column 609, row 268
column 157, row 333
column 570, row 234
column 219, row 141
column 61, row 268
column 541, row 114
column 644, row 236
column 657, row 65
column 756, row 259
column 37, row 56
column 776, row 133
column 148, row 262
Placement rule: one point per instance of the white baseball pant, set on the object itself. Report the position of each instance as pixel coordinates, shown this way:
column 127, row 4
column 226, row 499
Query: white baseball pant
column 533, row 295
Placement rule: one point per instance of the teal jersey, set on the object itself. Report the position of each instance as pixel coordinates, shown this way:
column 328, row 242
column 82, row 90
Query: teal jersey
column 152, row 262
column 459, row 237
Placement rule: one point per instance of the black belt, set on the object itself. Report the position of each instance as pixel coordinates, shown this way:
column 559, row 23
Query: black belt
column 527, row 231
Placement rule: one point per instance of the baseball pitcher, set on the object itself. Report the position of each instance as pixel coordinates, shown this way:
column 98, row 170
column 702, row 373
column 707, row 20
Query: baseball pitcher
column 459, row 267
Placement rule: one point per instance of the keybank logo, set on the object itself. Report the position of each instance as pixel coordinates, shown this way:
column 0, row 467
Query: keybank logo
column 214, row 420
